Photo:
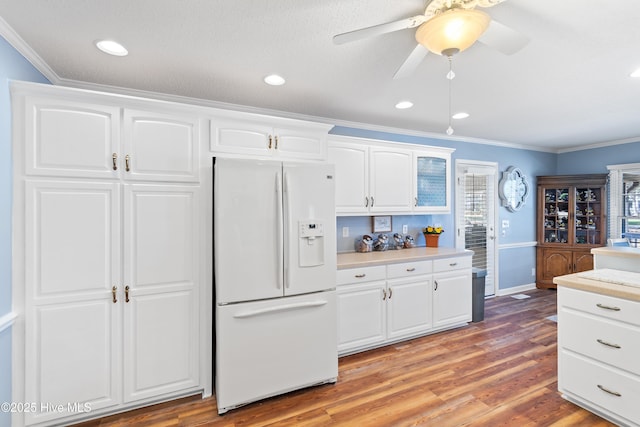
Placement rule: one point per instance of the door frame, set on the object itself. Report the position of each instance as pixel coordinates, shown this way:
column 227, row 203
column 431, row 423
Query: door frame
column 460, row 166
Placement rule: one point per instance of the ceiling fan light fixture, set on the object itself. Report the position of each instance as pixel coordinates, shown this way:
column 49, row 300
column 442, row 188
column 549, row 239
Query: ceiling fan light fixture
column 452, row 31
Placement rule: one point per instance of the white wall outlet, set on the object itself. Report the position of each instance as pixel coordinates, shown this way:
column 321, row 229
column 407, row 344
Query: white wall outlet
column 345, row 231
column 533, row 271
column 505, row 223
column 405, row 229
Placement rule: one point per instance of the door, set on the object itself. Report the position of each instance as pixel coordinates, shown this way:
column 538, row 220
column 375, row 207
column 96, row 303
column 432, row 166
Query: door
column 361, row 315
column 72, row 338
column 247, row 222
column 310, row 228
column 160, row 147
column 431, row 183
column 161, row 290
column 271, row 347
column 352, row 176
column 408, row 306
column 476, row 218
column 390, row 180
column 451, row 298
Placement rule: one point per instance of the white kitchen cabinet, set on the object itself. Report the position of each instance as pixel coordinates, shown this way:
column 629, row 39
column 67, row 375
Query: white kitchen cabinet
column 598, row 353
column 374, row 177
column 82, row 139
column 452, row 293
column 352, row 176
column 382, row 304
column 69, row 138
column 160, row 146
column 268, row 137
column 432, row 181
column 106, row 266
column 390, row 182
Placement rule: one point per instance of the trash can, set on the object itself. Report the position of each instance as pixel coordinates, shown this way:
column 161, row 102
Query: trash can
column 477, row 284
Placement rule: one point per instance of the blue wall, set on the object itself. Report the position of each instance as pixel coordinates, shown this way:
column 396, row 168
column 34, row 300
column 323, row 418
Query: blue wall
column 13, row 66
column 515, row 264
column 595, row 160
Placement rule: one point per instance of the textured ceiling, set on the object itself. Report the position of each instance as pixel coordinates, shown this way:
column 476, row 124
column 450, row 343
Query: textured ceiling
column 568, row 87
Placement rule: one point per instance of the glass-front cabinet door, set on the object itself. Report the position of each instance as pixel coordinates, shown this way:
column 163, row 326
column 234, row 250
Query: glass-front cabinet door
column 588, row 216
column 432, row 187
column 574, row 215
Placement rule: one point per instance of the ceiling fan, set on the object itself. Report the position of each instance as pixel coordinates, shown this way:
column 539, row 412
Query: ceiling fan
column 433, row 26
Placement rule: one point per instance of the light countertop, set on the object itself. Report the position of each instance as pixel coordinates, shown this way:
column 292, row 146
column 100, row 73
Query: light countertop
column 615, row 283
column 368, row 259
column 618, row 251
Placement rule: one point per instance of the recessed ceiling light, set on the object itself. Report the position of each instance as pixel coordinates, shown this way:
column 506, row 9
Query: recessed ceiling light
column 112, row 48
column 636, row 73
column 274, row 80
column 403, row 105
column 458, row 116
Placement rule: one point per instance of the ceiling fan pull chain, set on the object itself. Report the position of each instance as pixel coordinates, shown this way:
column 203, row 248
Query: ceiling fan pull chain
column 450, row 76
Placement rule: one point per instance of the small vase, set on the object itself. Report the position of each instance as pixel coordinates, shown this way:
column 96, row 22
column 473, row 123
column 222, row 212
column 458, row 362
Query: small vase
column 432, row 240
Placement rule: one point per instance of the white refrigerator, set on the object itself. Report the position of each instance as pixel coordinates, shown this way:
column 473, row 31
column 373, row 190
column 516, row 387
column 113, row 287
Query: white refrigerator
column 275, row 275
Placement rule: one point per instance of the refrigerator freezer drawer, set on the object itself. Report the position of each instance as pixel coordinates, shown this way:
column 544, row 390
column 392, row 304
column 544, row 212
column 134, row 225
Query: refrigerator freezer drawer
column 266, row 348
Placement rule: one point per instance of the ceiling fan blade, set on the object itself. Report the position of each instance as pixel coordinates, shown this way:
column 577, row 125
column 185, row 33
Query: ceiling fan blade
column 503, row 39
column 409, row 66
column 376, row 30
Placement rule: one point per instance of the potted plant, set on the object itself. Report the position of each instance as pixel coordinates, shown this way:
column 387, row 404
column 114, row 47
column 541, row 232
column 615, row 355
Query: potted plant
column 431, row 235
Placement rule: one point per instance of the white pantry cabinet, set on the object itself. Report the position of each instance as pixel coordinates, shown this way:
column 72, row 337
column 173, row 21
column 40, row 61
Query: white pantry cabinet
column 250, row 135
column 381, row 304
column 106, row 260
column 374, row 177
column 81, row 138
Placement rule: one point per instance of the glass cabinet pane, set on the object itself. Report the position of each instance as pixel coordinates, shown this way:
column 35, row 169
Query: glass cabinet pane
column 431, row 175
column 588, row 216
column 556, row 215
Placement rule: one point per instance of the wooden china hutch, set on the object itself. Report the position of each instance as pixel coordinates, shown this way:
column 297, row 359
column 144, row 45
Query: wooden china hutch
column 571, row 219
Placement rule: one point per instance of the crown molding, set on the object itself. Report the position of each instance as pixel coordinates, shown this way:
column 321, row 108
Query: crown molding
column 27, row 52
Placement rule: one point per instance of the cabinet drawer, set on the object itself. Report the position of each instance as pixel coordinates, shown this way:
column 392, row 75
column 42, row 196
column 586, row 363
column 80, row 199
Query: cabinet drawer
column 600, row 305
column 455, row 263
column 614, row 343
column 358, row 275
column 407, row 269
column 590, row 381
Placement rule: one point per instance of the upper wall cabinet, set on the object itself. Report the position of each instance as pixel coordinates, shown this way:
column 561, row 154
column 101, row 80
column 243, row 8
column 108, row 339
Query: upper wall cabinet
column 83, row 139
column 66, row 138
column 378, row 177
column 161, row 147
column 249, row 135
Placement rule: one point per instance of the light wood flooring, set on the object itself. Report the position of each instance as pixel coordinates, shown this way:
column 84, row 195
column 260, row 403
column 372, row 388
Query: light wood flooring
column 498, row 372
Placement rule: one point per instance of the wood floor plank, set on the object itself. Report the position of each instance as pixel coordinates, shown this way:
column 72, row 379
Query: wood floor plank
column 498, row 372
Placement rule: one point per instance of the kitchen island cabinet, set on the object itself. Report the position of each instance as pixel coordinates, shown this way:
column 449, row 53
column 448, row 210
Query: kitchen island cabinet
column 385, row 297
column 599, row 342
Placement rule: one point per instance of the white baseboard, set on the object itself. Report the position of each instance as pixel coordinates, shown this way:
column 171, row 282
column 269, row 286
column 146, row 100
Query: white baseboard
column 516, row 289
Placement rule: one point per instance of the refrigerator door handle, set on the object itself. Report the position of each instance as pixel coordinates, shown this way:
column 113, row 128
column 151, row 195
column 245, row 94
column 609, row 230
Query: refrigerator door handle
column 287, row 226
column 279, row 225
column 279, row 308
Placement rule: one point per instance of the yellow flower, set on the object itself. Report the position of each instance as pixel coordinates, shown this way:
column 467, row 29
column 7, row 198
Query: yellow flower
column 430, row 229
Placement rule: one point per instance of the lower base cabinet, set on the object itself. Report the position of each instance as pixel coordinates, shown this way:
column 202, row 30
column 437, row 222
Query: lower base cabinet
column 599, row 354
column 553, row 262
column 387, row 303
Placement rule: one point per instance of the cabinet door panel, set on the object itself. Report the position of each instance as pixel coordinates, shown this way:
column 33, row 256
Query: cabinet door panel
column 409, row 307
column 70, row 139
column 299, row 144
column 583, row 261
column 556, row 263
column 161, row 242
column 390, row 181
column 431, row 183
column 361, row 315
column 161, row 147
column 451, row 298
column 352, row 176
column 239, row 137
column 72, row 356
column 72, row 239
column 162, row 346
